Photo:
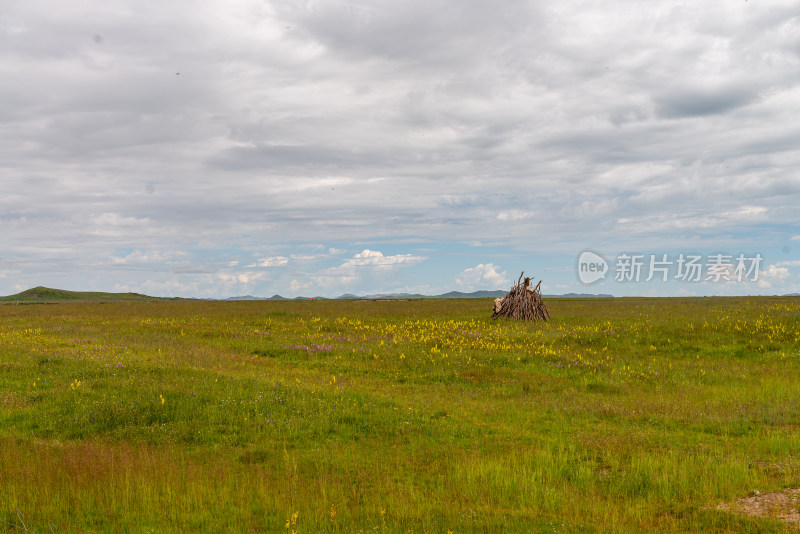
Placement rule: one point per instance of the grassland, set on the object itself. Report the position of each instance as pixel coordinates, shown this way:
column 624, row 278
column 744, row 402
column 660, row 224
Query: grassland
column 623, row 415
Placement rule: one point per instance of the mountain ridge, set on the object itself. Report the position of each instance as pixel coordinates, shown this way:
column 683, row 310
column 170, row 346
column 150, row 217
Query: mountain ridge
column 480, row 294
column 46, row 294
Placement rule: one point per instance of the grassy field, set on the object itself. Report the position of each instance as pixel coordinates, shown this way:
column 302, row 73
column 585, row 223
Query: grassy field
column 623, row 415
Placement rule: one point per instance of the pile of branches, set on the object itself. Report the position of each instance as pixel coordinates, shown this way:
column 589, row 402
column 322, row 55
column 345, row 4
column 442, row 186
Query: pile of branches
column 522, row 302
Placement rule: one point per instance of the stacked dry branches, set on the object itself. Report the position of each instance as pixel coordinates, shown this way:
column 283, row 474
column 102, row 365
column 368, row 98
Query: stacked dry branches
column 522, row 302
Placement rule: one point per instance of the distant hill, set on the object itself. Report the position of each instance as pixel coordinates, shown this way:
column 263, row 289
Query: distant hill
column 46, row 294
column 461, row 295
column 473, row 295
column 579, row 296
column 405, row 296
column 379, row 296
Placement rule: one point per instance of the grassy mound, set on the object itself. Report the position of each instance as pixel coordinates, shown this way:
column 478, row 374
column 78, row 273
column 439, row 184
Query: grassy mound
column 46, row 294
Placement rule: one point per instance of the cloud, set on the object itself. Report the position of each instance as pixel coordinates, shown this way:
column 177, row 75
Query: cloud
column 167, row 288
column 365, row 268
column 188, row 268
column 376, row 258
column 297, row 285
column 702, row 101
column 482, row 276
column 115, row 219
column 274, row 261
column 242, row 278
column 330, row 281
column 515, row 215
column 776, row 273
column 233, row 133
column 143, row 257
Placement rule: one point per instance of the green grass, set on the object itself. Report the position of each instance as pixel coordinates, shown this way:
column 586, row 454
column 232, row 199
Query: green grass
column 619, row 415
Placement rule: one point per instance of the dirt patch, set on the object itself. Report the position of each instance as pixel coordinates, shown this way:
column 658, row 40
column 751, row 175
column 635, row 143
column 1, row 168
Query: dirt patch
column 780, row 505
column 10, row 400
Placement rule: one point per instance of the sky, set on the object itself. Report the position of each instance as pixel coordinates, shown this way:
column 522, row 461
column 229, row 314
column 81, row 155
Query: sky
column 215, row 148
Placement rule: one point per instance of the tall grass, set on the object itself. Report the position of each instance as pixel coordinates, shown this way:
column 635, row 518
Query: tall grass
column 425, row 416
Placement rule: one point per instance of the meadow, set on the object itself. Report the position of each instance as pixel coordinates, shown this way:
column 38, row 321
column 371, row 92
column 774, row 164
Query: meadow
column 619, row 415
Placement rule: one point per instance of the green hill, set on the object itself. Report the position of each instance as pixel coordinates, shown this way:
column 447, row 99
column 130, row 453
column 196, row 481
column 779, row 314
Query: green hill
column 46, row 294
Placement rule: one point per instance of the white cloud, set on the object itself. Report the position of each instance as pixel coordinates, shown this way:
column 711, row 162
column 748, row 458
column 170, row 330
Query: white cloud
column 163, row 288
column 795, row 238
column 791, row 263
column 275, row 261
column 336, row 282
column 515, row 215
column 376, row 258
column 144, row 257
column 775, row 272
column 773, row 275
column 307, row 257
column 114, row 225
column 242, row 278
column 482, row 276
column 365, row 268
column 115, row 219
column 297, row 285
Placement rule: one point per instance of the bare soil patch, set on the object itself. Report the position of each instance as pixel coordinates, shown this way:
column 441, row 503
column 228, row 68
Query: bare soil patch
column 780, row 505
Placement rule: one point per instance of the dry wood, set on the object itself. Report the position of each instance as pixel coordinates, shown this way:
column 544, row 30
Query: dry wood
column 523, row 302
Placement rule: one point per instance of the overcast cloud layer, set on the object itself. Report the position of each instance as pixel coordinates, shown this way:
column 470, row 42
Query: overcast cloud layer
column 218, row 148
